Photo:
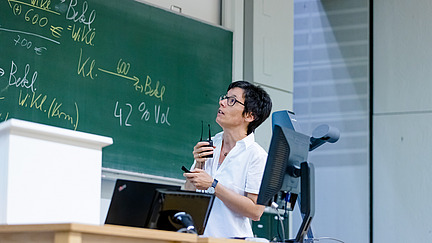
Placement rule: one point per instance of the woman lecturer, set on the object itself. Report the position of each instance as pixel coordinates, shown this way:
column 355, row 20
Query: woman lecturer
column 234, row 173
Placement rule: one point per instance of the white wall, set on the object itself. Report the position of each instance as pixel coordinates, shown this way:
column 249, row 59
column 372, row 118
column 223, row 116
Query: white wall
column 331, row 86
column 402, row 116
column 268, row 54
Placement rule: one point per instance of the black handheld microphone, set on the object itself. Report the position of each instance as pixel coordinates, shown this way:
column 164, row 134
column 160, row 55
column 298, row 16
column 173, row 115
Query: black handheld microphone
column 185, row 220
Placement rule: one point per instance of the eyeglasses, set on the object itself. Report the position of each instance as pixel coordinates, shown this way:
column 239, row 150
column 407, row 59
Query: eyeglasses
column 230, row 100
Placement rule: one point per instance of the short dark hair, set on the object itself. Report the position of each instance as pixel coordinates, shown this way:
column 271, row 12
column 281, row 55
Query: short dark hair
column 257, row 102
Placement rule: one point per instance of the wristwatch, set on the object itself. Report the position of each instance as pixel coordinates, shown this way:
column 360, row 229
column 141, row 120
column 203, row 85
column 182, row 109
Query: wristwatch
column 211, row 189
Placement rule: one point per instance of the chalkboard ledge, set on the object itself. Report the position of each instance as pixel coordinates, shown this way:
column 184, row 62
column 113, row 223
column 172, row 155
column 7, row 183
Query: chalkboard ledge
column 114, row 174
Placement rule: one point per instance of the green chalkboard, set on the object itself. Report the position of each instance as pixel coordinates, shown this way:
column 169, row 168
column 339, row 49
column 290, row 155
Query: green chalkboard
column 144, row 76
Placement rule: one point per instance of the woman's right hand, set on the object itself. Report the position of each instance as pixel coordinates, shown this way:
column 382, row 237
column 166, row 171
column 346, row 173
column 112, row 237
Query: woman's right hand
column 201, row 150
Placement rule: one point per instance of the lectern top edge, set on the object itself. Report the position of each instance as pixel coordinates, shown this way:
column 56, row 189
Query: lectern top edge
column 32, row 129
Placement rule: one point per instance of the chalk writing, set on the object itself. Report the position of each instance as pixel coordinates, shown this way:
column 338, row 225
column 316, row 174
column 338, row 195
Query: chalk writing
column 16, row 9
column 123, row 67
column 2, row 72
column 81, row 35
column 41, row 5
column 33, row 103
column 35, row 19
column 57, row 113
column 74, row 15
column 134, row 78
column 145, row 112
column 38, row 102
column 162, row 116
column 56, row 31
column 38, row 50
column 147, row 89
column 118, row 112
column 23, row 42
column 22, row 81
column 4, row 116
column 126, row 112
column 83, row 65
column 28, row 33
column 122, row 70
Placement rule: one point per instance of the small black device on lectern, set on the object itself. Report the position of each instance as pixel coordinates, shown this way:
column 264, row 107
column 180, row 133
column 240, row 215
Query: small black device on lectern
column 131, row 202
column 168, row 204
column 159, row 206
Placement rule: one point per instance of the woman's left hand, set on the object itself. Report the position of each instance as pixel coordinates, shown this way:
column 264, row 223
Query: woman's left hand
column 199, row 178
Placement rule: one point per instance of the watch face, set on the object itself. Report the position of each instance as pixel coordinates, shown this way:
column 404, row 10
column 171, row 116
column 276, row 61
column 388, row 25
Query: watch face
column 211, row 190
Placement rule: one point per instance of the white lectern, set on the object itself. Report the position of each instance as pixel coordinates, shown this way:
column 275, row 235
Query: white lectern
column 49, row 174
